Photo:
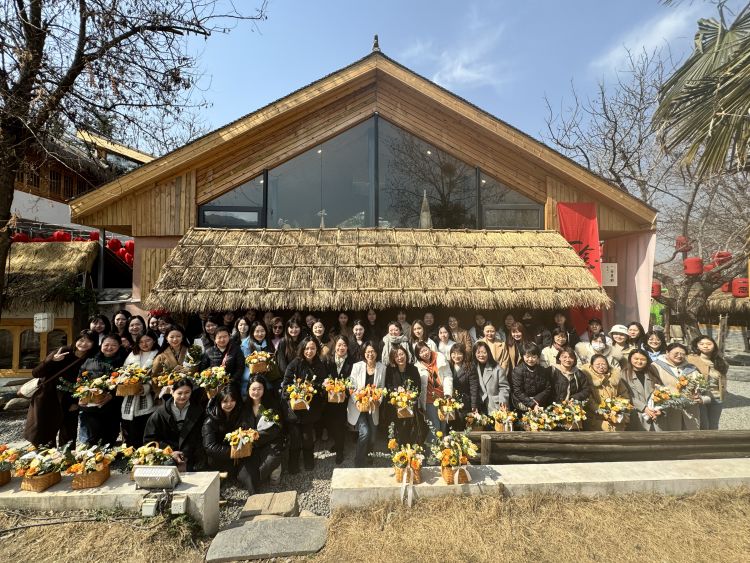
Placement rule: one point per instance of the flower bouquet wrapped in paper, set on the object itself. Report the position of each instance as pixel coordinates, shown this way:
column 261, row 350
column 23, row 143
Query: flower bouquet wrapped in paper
column 537, row 421
column 664, row 398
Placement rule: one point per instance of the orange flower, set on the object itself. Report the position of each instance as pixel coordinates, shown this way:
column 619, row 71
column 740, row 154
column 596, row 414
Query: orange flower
column 31, row 471
column 20, row 472
column 392, row 444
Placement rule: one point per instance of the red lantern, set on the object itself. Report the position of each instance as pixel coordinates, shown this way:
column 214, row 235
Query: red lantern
column 682, row 244
column 114, row 244
column 726, row 287
column 740, row 287
column 721, row 257
column 93, row 235
column 121, row 252
column 79, row 239
column 708, row 267
column 655, row 289
column 693, row 266
column 128, row 258
column 130, row 246
column 38, row 239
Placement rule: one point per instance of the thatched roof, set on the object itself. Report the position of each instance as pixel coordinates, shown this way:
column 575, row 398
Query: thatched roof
column 720, row 302
column 354, row 269
column 44, row 272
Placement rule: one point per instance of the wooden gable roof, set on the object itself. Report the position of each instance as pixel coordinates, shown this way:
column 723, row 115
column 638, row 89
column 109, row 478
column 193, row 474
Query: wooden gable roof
column 223, row 159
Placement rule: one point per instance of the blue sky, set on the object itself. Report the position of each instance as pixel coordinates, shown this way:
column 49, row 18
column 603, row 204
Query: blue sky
column 503, row 56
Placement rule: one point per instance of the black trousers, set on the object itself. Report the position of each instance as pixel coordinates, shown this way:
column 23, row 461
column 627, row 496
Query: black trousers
column 335, row 422
column 132, row 430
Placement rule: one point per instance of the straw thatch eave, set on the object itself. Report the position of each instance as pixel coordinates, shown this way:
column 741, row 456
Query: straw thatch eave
column 720, row 302
column 42, row 273
column 355, row 269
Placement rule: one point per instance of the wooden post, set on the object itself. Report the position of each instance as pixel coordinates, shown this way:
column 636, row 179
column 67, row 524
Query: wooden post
column 721, row 338
column 485, row 449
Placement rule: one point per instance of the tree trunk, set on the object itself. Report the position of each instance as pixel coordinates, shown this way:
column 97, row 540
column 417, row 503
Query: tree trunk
column 10, row 163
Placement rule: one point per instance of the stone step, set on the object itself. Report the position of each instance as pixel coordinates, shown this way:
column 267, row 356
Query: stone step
column 362, row 487
column 271, row 504
column 268, row 538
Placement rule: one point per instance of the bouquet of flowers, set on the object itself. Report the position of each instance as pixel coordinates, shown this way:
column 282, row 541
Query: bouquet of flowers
column 404, row 398
column 368, row 398
column 568, row 414
column 301, row 393
column 129, row 380
column 664, row 399
column 8, row 457
column 476, row 421
column 447, row 408
column 336, row 389
column 150, row 454
column 41, row 469
column 213, row 378
column 270, row 416
column 694, row 383
column 193, row 356
column 241, row 442
column 167, row 379
column 504, row 419
column 259, row 362
column 91, row 389
column 407, row 460
column 452, row 452
column 90, row 467
column 536, row 421
column 614, row 409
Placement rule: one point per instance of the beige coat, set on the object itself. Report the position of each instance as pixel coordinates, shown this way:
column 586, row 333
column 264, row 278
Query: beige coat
column 608, row 386
column 717, row 381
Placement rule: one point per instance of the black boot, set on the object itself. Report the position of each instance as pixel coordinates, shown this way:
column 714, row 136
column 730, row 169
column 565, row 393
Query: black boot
column 293, row 462
column 308, row 459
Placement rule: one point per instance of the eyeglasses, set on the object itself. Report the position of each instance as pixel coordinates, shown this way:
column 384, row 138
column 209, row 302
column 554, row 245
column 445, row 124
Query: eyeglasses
column 278, row 327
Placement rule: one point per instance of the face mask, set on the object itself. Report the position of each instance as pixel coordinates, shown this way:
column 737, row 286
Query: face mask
column 598, row 346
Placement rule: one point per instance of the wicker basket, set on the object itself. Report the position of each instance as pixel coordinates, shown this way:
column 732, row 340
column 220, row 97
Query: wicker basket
column 4, row 477
column 363, row 405
column 245, row 450
column 405, row 413
column 477, row 428
column 90, row 480
column 39, row 483
column 336, row 396
column 447, row 474
column 298, row 404
column 400, row 475
column 129, row 389
column 446, row 416
column 92, row 398
column 260, row 367
column 500, row 427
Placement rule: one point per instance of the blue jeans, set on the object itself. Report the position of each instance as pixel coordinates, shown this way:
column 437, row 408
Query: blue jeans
column 710, row 415
column 431, row 413
column 366, row 431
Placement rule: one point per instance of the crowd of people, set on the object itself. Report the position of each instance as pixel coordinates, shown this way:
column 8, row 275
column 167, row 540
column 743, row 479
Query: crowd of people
column 518, row 364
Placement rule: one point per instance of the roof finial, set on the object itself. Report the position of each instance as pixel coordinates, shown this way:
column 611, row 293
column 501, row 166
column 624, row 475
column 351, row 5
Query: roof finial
column 375, row 44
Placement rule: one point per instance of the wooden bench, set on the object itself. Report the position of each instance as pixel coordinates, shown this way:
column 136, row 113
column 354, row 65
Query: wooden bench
column 557, row 447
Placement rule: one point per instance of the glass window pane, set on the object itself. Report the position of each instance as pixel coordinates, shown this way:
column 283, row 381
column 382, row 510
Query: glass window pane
column 504, row 208
column 231, row 219
column 410, row 169
column 330, row 182
column 249, row 194
column 6, row 349
column 56, row 339
column 30, row 349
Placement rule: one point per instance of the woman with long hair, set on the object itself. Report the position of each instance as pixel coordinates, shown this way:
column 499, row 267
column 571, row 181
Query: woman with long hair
column 287, row 350
column 444, row 342
column 497, row 347
column 568, row 382
column 136, row 409
column 136, row 327
column 641, row 379
column 307, row 366
column 458, row 334
column 206, row 339
column 400, row 373
column 655, row 345
column 276, row 326
column 100, row 325
column 465, row 381
column 172, row 352
column 334, row 414
column 243, row 338
column 621, row 346
column 342, row 327
column 367, row 372
column 559, row 341
column 419, row 334
column 636, row 334
column 324, row 340
column 605, row 382
column 436, row 380
column 392, row 339
column 269, row 448
column 120, row 322
column 493, row 381
column 52, row 411
column 514, row 345
column 359, row 337
column 706, row 357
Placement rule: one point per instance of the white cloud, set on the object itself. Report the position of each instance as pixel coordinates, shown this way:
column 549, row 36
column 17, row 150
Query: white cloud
column 469, row 63
column 653, row 34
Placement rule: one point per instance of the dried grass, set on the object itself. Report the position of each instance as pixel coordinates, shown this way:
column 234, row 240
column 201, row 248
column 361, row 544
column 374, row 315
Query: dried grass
column 109, row 540
column 721, row 302
column 355, row 269
column 709, row 526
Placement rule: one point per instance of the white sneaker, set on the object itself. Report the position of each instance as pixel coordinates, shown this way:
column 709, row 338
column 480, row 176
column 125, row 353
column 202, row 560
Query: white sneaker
column 275, row 477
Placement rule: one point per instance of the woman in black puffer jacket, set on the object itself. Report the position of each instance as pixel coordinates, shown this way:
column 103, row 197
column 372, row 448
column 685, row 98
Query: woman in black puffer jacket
column 531, row 384
column 225, row 414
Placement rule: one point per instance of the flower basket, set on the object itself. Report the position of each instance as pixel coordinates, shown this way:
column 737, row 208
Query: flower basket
column 91, row 480
column 363, row 405
column 298, row 404
column 4, row 477
column 446, row 416
column 336, row 396
column 243, row 450
column 129, row 389
column 92, row 398
column 500, row 427
column 400, row 474
column 39, row 483
column 448, row 474
column 405, row 413
column 260, row 367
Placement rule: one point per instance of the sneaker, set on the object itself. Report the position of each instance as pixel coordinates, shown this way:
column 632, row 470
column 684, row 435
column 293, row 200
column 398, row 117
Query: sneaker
column 275, row 477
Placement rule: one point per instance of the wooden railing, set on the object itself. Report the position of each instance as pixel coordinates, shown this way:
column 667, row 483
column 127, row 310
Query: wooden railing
column 555, row 447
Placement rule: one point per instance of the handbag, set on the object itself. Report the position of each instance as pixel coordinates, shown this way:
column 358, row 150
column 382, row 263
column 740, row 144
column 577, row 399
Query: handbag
column 29, row 389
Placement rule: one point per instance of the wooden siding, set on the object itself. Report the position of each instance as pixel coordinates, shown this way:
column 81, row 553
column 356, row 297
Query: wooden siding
column 152, row 260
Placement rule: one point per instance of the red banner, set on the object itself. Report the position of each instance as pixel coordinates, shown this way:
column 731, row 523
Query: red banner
column 580, row 228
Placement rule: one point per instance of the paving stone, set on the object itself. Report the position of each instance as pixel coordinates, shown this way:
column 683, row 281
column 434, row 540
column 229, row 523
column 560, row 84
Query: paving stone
column 264, row 539
column 279, row 504
column 307, row 514
column 19, row 403
column 260, row 517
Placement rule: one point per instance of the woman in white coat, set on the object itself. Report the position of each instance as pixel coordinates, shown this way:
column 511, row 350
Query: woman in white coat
column 437, row 381
column 368, row 372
